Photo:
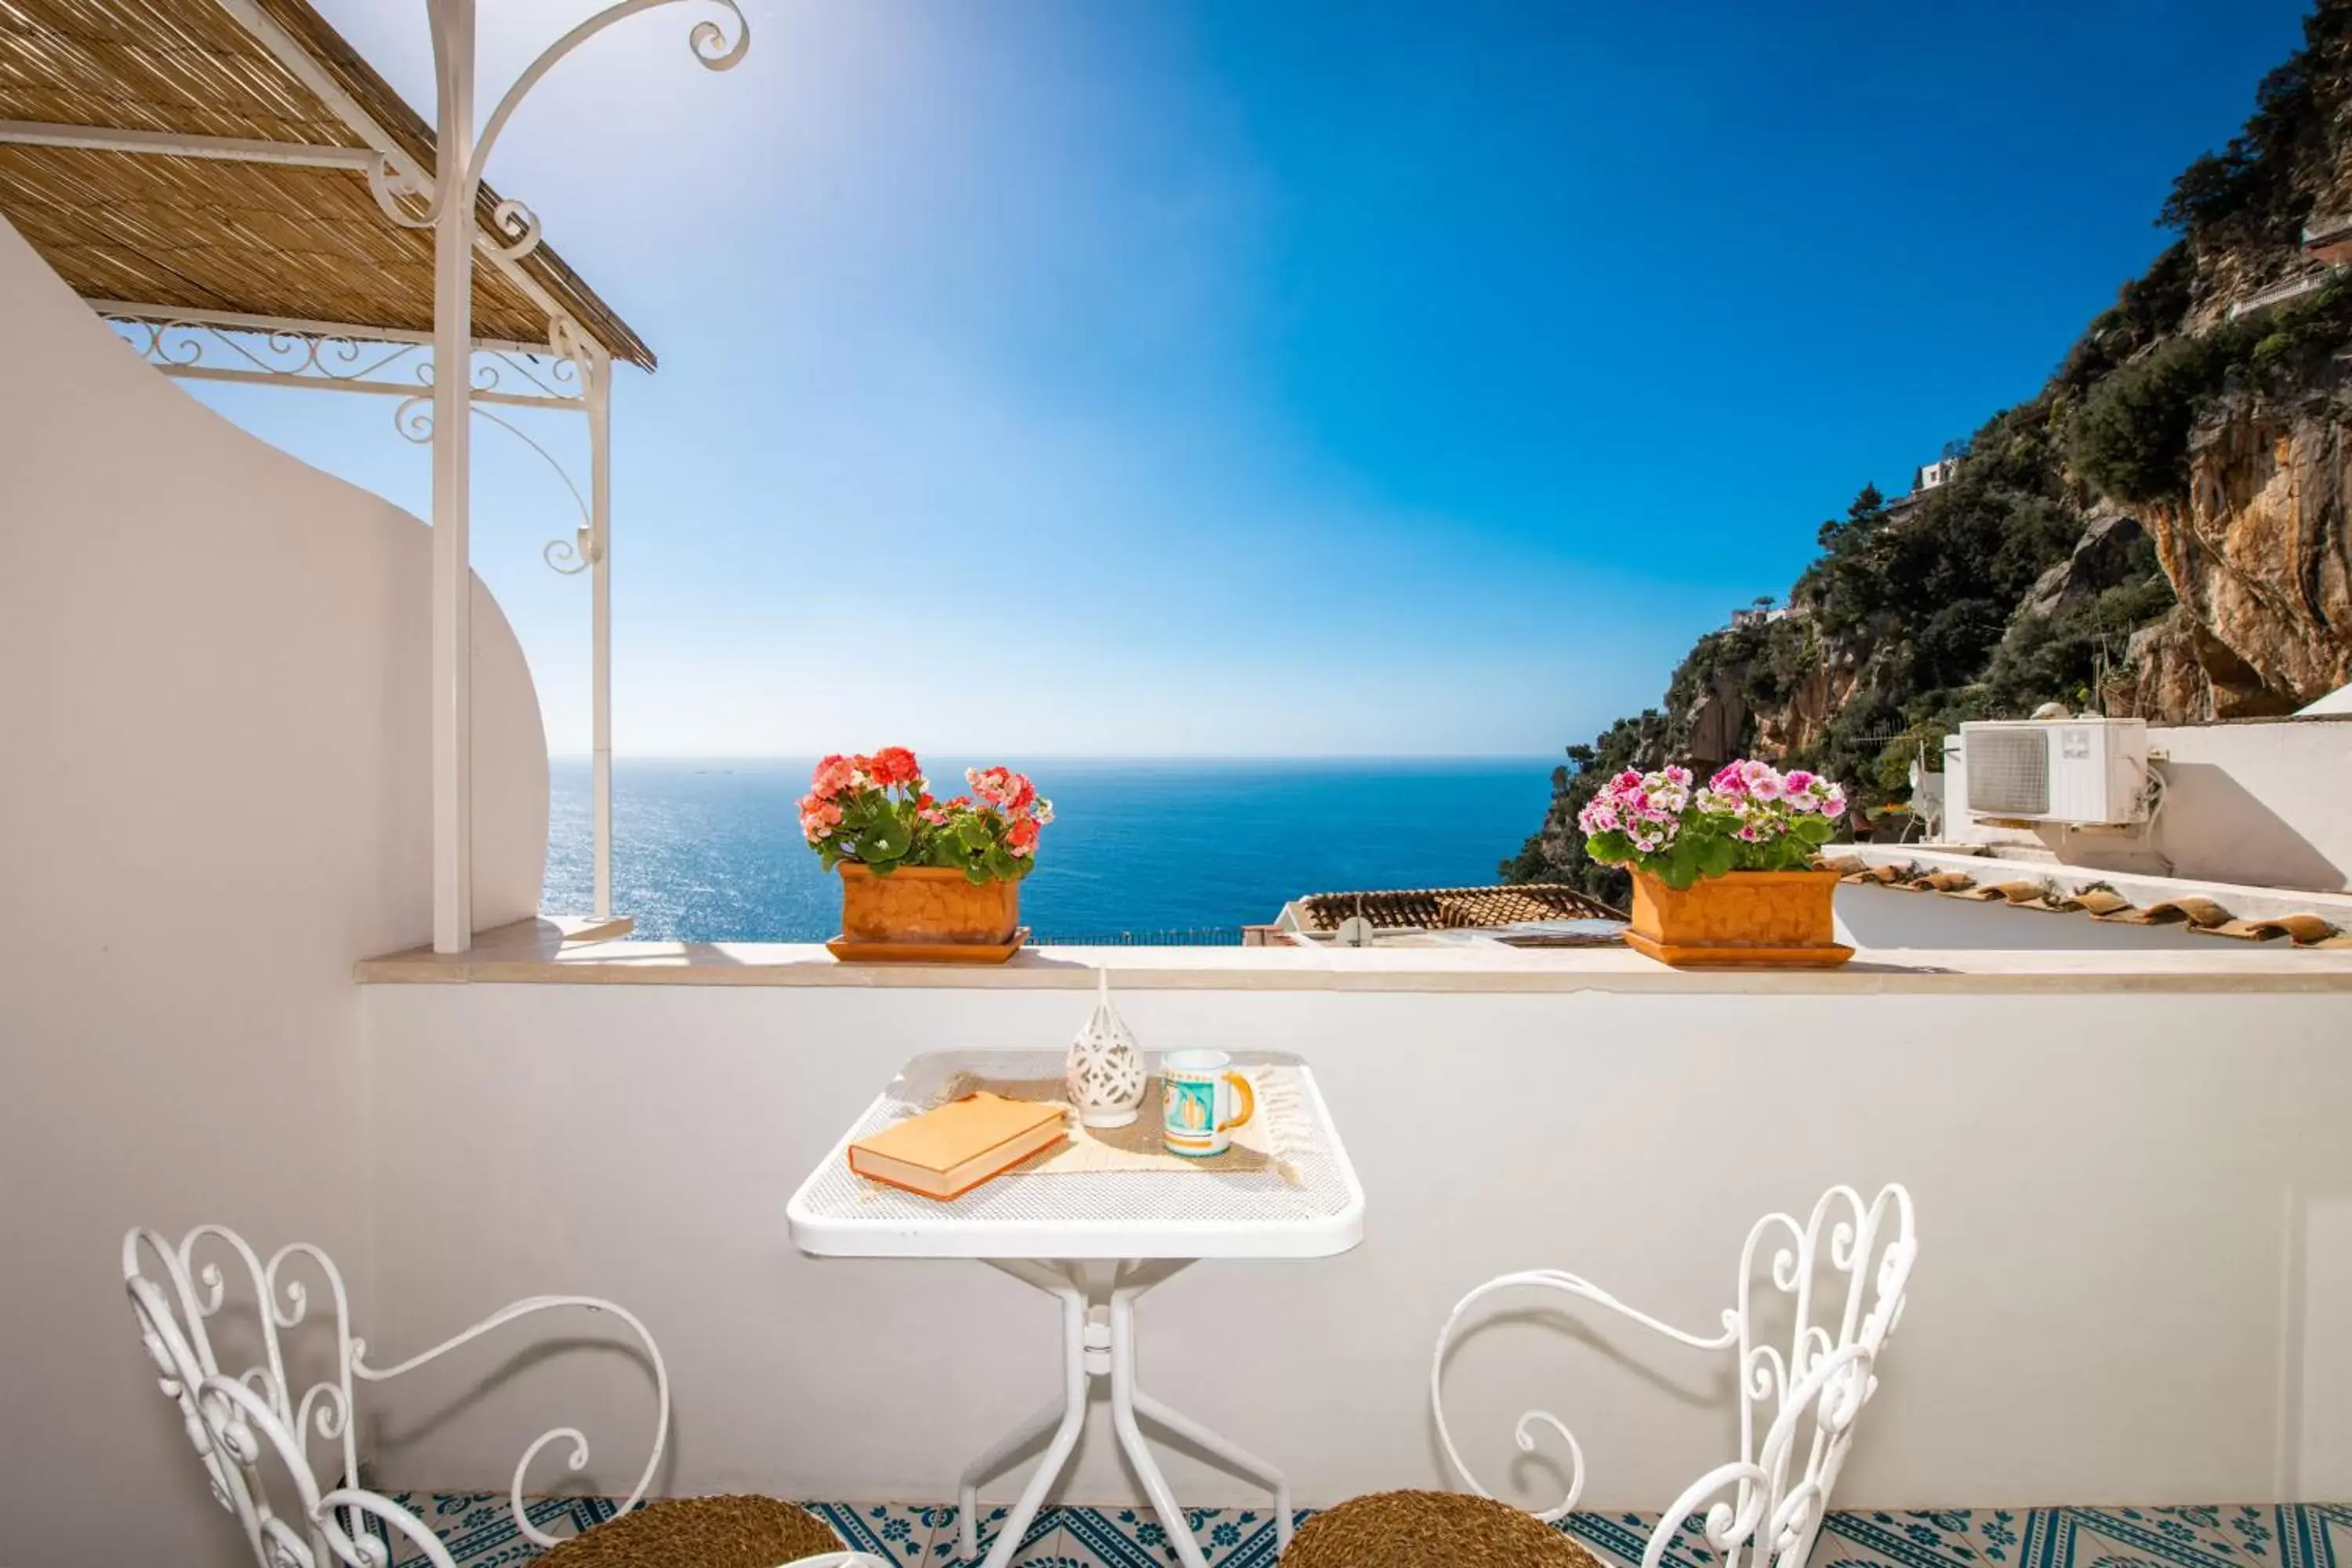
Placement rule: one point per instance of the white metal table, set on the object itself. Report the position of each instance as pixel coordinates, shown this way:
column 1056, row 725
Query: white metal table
column 1095, row 1242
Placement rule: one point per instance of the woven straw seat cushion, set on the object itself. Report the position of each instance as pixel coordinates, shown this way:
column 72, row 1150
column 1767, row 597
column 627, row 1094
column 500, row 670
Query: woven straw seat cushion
column 1431, row 1530
column 699, row 1532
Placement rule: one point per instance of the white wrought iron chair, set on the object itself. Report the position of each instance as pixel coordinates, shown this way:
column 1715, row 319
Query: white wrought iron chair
column 253, row 1433
column 1764, row 1509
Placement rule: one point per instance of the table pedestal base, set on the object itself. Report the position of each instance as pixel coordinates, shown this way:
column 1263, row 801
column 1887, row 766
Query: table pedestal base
column 1098, row 1340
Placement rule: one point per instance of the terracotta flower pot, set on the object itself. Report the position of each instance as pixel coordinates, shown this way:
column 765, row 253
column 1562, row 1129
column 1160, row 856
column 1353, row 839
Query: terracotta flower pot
column 1777, row 919
column 926, row 914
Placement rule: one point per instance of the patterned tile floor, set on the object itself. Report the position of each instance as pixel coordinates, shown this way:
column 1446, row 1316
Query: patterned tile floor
column 480, row 1534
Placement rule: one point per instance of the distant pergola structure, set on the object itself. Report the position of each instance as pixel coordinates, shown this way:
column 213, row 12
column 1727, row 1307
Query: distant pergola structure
column 246, row 200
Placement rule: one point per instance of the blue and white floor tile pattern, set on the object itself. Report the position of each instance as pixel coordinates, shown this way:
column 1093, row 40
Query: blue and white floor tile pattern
column 480, row 1534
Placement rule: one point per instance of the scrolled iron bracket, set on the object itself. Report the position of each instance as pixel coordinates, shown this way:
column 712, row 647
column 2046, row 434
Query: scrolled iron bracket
column 517, row 227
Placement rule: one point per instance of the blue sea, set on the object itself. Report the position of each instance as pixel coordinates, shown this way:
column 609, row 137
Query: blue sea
column 710, row 850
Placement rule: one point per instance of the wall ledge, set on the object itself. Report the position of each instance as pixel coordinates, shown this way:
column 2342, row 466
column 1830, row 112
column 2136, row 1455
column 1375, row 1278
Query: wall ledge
column 541, row 955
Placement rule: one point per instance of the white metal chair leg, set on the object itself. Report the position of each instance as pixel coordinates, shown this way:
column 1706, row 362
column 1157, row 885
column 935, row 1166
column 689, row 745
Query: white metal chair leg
column 1067, row 1286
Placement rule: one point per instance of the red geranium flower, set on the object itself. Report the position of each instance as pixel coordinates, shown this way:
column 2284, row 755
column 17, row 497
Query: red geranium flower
column 894, row 765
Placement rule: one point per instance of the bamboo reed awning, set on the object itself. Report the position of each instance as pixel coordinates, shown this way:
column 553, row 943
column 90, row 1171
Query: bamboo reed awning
column 273, row 217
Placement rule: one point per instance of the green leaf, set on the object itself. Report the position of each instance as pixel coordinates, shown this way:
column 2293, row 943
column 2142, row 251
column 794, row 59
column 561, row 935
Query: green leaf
column 884, row 843
column 1717, row 855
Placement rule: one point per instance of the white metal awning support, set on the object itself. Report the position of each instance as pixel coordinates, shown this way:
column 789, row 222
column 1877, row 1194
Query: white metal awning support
column 570, row 370
column 449, row 208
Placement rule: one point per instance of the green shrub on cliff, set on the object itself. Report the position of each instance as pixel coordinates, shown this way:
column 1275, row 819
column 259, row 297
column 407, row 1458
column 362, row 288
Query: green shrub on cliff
column 2131, row 439
column 2259, row 189
column 1922, row 743
column 2063, row 656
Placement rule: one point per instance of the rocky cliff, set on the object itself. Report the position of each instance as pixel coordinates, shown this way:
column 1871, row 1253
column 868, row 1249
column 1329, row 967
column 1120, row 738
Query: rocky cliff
column 2161, row 531
column 2259, row 551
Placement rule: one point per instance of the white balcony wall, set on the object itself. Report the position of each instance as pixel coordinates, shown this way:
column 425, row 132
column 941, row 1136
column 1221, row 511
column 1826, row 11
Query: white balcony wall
column 214, row 791
column 2134, row 1263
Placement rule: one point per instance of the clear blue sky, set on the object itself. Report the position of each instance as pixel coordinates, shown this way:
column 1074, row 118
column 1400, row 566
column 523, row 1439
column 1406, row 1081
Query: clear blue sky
column 1264, row 377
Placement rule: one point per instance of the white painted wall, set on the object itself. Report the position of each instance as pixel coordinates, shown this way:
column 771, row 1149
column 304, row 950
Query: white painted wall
column 2258, row 803
column 213, row 800
column 2130, row 1207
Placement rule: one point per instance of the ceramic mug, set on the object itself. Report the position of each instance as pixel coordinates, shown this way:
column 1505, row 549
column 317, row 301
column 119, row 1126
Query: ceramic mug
column 1202, row 1101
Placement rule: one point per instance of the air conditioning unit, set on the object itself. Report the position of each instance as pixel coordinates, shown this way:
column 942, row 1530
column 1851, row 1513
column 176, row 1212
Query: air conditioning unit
column 2084, row 771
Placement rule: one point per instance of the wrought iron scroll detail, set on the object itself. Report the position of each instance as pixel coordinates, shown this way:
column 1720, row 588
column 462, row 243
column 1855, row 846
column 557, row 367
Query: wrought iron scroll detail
column 1797, row 1407
column 285, row 356
column 516, row 229
column 257, row 1438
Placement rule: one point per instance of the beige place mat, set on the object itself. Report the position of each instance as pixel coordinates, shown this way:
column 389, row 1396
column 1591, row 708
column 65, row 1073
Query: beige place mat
column 1261, row 1144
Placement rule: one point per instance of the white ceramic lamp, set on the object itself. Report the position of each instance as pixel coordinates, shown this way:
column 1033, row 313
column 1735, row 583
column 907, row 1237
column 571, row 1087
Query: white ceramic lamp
column 1105, row 1081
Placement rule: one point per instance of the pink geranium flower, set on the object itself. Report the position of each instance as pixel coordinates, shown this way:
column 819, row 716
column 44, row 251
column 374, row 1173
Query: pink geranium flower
column 819, row 818
column 834, row 775
column 1763, row 781
column 1636, row 817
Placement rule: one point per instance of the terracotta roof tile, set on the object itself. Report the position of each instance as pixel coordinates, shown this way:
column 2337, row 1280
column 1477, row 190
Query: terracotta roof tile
column 2202, row 914
column 2025, row 893
column 2099, row 902
column 1453, row 909
column 2308, row 930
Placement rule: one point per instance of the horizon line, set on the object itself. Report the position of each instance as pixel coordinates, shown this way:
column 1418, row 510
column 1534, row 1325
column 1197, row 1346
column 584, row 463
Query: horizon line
column 1098, row 756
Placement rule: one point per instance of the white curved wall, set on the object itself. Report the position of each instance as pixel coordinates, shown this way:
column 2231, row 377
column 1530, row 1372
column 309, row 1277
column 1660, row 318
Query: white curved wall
column 214, row 799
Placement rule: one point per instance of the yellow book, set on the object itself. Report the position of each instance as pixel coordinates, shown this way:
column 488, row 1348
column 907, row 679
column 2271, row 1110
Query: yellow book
column 949, row 1150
